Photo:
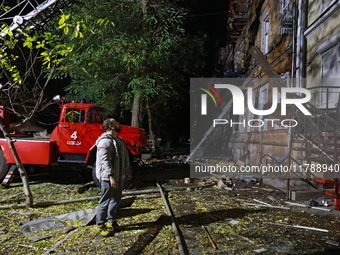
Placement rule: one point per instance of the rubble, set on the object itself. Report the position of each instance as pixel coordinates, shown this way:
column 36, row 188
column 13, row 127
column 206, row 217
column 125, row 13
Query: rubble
column 221, row 185
column 331, row 242
column 187, row 180
column 260, row 250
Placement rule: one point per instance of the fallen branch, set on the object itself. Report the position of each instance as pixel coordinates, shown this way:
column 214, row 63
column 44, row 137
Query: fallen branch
column 265, row 189
column 271, row 206
column 29, row 246
column 181, row 247
column 43, row 204
column 147, row 237
column 14, row 197
column 321, row 209
column 151, row 252
column 140, row 192
column 28, row 214
column 296, row 204
column 126, row 193
column 60, row 242
column 209, row 237
column 331, row 242
column 85, row 187
column 242, row 237
column 312, row 207
column 262, row 202
column 212, row 217
column 297, row 226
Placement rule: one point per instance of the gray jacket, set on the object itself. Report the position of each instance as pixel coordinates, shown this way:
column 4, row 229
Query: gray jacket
column 107, row 162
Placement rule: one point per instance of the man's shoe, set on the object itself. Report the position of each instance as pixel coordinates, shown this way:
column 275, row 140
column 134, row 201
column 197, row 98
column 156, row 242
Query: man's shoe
column 111, row 226
column 103, row 231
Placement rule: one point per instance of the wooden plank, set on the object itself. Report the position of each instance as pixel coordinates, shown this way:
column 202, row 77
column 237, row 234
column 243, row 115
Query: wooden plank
column 267, row 67
column 209, row 237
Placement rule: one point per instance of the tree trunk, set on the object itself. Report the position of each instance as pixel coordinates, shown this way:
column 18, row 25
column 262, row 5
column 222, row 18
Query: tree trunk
column 135, row 110
column 137, row 96
column 22, row 171
column 150, row 126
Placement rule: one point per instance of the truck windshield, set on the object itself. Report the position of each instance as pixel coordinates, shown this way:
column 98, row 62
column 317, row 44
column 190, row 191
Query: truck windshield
column 75, row 115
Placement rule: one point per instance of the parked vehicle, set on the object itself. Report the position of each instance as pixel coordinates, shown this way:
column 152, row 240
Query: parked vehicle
column 72, row 140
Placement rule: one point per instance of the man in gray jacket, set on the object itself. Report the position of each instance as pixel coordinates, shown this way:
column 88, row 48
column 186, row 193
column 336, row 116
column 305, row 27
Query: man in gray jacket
column 112, row 163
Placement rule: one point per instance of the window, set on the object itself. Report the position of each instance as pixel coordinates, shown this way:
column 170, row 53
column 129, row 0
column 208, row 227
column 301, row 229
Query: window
column 251, row 115
column 240, row 123
column 330, row 69
column 263, row 99
column 75, row 115
column 95, row 116
column 285, row 4
column 264, row 18
column 266, row 36
column 277, row 123
column 285, row 78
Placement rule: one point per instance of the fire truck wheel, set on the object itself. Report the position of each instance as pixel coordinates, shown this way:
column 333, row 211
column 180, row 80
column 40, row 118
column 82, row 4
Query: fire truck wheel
column 94, row 177
column 3, row 166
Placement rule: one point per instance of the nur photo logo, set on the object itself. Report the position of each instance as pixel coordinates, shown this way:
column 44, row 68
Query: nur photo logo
column 204, row 97
column 238, row 99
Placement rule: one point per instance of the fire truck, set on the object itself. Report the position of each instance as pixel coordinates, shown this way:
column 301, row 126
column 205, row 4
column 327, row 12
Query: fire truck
column 72, row 141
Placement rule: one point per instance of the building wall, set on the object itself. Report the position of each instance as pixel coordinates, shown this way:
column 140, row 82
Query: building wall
column 323, row 21
column 317, row 36
column 249, row 144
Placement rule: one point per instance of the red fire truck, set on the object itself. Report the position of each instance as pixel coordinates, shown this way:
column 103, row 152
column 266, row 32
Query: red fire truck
column 72, row 140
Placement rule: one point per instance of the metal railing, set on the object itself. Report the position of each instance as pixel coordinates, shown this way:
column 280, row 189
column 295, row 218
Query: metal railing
column 326, row 98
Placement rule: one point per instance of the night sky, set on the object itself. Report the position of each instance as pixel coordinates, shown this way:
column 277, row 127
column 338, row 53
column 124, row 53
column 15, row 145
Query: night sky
column 209, row 17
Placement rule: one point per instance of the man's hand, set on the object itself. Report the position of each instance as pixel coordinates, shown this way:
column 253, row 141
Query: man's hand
column 113, row 182
column 128, row 177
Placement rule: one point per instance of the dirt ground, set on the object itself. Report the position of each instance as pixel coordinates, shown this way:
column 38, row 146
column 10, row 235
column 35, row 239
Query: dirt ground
column 233, row 227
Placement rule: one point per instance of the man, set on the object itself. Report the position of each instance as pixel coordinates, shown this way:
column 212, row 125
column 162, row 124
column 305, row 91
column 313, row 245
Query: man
column 112, row 163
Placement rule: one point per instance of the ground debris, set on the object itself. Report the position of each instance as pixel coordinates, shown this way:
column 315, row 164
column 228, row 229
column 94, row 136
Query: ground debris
column 204, row 205
column 28, row 246
column 269, row 206
column 145, row 238
column 331, row 242
column 297, row 226
column 209, row 237
column 85, row 187
column 28, row 214
column 260, row 250
column 60, row 242
column 221, row 185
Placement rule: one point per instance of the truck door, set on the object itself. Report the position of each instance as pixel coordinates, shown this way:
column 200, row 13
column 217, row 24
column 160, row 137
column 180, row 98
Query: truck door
column 95, row 124
column 74, row 132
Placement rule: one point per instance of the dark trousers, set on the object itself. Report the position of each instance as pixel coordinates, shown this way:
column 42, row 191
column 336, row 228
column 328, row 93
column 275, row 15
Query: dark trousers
column 109, row 202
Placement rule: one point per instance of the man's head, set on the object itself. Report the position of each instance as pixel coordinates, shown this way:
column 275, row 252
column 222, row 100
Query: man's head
column 111, row 124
